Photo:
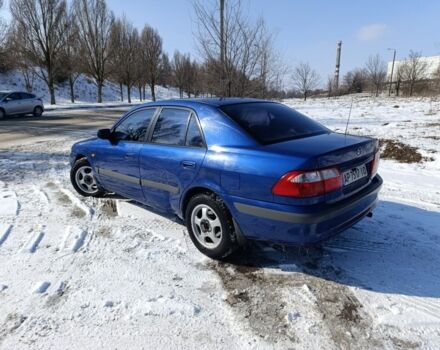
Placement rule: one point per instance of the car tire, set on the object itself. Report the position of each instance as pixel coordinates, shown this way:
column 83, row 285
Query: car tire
column 84, row 181
column 38, row 111
column 2, row 114
column 210, row 226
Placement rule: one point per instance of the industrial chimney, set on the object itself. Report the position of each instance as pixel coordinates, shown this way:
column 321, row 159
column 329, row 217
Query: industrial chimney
column 338, row 64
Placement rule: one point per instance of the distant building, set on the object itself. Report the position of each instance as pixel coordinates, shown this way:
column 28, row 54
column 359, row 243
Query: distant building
column 432, row 66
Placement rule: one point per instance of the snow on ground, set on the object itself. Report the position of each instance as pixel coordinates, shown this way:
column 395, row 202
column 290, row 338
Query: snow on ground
column 85, row 91
column 84, row 273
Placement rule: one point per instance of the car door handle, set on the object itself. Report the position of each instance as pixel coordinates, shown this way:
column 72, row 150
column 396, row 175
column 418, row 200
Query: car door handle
column 130, row 155
column 188, row 164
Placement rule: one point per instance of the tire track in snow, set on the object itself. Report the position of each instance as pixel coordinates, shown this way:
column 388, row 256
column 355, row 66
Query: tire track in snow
column 5, row 230
column 74, row 239
column 424, row 305
column 68, row 200
column 34, row 241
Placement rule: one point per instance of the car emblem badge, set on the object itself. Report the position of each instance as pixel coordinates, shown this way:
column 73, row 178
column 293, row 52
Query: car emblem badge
column 359, row 151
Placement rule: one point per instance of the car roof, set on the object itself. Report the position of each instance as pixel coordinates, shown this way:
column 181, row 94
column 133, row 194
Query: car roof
column 214, row 101
column 15, row 91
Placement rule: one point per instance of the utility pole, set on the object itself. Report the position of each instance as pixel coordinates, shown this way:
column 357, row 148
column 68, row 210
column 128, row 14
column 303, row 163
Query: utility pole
column 392, row 70
column 338, row 64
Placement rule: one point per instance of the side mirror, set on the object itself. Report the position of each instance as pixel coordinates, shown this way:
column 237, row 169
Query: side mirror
column 7, row 99
column 104, row 134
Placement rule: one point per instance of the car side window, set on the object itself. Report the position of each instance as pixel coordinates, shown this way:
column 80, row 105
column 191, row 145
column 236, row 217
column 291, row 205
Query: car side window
column 170, row 128
column 15, row 96
column 25, row 96
column 135, row 126
column 193, row 135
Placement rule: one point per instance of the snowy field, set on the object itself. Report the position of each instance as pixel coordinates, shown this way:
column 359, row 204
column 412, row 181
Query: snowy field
column 104, row 273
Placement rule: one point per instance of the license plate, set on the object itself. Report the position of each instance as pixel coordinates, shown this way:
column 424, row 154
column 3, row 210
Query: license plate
column 354, row 174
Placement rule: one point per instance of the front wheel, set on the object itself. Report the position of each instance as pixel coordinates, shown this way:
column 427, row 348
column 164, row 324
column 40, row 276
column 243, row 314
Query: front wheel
column 210, row 226
column 84, row 181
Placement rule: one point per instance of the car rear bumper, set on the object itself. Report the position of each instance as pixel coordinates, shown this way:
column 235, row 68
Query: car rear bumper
column 306, row 224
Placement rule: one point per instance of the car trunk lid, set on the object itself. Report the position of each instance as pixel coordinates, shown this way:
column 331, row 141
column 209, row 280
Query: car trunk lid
column 345, row 152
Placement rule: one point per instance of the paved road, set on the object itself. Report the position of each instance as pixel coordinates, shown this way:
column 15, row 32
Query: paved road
column 16, row 131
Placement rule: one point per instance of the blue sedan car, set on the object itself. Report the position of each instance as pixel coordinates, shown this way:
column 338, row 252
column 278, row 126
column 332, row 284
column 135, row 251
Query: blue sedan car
column 234, row 169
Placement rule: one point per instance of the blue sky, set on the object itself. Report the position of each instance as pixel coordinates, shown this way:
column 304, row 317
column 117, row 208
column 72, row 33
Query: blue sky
column 308, row 30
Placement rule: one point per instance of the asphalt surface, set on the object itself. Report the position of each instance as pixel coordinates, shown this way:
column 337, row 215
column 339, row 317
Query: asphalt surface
column 15, row 131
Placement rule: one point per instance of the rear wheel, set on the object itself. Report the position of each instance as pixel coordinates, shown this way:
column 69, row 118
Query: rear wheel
column 2, row 113
column 84, row 181
column 210, row 226
column 38, row 111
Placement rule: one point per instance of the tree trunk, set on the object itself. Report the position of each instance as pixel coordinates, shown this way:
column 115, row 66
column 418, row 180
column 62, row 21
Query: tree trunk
column 51, row 87
column 121, row 91
column 143, row 92
column 140, row 92
column 129, row 93
column 72, row 92
column 100, row 84
column 305, row 95
column 153, row 92
column 52, row 95
column 180, row 92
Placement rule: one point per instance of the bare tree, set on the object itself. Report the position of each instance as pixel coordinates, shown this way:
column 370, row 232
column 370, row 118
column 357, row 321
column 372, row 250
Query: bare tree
column 71, row 52
column 117, row 56
column 413, row 70
column 179, row 66
column 151, row 49
column 376, row 71
column 3, row 32
column 17, row 58
column 437, row 79
column 39, row 26
column 398, row 77
column 94, row 21
column 355, row 81
column 123, row 60
column 305, row 79
column 235, row 48
column 165, row 78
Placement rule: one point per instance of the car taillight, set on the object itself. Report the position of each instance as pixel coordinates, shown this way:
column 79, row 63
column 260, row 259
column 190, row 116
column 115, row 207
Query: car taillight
column 308, row 183
column 375, row 164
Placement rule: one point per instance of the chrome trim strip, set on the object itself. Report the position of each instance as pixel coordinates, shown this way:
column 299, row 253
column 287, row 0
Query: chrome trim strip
column 137, row 181
column 119, row 176
column 159, row 186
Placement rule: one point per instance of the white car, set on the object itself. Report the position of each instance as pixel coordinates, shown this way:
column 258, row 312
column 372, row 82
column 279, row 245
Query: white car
column 20, row 103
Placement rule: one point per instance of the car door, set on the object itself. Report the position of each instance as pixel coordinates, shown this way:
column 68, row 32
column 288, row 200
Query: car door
column 117, row 160
column 12, row 103
column 27, row 103
column 171, row 160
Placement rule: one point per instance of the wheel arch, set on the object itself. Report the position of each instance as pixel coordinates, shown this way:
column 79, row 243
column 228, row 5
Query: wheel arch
column 191, row 192
column 80, row 156
column 241, row 239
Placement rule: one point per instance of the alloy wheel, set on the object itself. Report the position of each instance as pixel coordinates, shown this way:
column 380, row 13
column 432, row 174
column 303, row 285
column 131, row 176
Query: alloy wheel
column 85, row 180
column 206, row 226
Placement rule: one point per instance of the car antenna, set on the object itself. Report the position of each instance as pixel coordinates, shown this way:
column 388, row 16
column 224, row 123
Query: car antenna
column 349, row 115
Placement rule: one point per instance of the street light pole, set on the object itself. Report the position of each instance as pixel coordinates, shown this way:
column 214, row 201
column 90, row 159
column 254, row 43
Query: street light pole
column 392, row 71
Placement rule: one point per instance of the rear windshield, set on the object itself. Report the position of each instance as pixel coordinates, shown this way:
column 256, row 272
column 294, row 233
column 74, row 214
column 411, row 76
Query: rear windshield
column 272, row 122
